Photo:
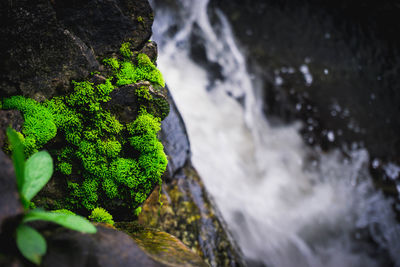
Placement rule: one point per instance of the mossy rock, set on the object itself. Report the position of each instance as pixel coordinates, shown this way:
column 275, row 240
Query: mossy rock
column 100, row 161
column 162, row 247
column 49, row 43
column 188, row 213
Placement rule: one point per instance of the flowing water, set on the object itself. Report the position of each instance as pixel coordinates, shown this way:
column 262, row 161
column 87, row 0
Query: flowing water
column 285, row 203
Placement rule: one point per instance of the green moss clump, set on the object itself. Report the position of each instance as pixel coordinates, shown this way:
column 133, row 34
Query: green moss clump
column 143, row 93
column 128, row 72
column 65, row 168
column 39, row 126
column 126, row 51
column 102, row 159
column 112, row 62
column 102, row 216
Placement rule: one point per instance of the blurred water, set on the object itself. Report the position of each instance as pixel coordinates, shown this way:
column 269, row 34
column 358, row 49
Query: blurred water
column 285, row 203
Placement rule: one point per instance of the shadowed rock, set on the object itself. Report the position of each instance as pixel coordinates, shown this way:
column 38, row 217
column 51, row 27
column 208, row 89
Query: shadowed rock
column 108, row 247
column 10, row 204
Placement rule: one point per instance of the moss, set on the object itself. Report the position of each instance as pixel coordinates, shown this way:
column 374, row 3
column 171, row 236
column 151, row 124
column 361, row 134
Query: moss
column 140, row 19
column 39, row 126
column 101, row 158
column 163, row 106
column 138, row 210
column 128, row 72
column 143, row 93
column 102, row 216
column 126, row 51
column 65, row 168
column 112, row 62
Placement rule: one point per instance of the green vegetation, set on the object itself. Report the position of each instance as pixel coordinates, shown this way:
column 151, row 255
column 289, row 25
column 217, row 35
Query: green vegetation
column 39, row 126
column 126, row 72
column 104, row 161
column 102, row 216
column 126, row 51
column 31, row 176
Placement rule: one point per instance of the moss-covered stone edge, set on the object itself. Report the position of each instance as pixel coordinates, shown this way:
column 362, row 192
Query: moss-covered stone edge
column 105, row 163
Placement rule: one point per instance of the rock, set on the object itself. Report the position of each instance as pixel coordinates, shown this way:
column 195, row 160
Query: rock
column 108, row 247
column 175, row 139
column 187, row 211
column 163, row 247
column 50, row 43
column 150, row 49
column 9, row 118
column 104, row 25
column 10, row 204
column 188, row 214
column 124, row 101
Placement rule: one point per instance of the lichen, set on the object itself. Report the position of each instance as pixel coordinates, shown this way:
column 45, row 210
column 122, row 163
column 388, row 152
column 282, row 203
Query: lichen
column 95, row 157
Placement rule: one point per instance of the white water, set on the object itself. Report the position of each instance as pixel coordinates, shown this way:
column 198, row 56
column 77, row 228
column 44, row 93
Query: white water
column 283, row 209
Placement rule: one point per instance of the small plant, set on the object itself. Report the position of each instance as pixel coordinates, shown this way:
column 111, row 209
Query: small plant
column 102, row 216
column 31, row 176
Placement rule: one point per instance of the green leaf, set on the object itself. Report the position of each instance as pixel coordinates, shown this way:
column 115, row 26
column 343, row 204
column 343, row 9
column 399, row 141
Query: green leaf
column 38, row 171
column 31, row 243
column 70, row 221
column 17, row 156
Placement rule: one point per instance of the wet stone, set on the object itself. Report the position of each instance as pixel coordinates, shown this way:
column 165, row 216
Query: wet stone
column 108, row 247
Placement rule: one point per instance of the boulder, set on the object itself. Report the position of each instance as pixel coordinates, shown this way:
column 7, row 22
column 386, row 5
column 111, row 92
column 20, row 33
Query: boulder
column 50, row 43
column 108, row 247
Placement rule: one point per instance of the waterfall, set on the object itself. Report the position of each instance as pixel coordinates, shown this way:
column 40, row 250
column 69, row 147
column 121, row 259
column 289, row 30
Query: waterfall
column 285, row 203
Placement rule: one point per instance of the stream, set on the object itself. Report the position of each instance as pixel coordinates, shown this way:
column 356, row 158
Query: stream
column 286, row 203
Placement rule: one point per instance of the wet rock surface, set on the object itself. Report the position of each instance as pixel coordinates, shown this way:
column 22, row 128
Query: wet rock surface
column 188, row 214
column 107, row 247
column 163, row 247
column 9, row 118
column 175, row 139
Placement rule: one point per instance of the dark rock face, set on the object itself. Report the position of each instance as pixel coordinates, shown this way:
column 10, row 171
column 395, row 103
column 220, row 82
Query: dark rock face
column 50, row 43
column 9, row 118
column 10, row 204
column 175, row 139
column 107, row 247
column 124, row 102
column 107, row 24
